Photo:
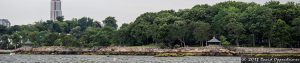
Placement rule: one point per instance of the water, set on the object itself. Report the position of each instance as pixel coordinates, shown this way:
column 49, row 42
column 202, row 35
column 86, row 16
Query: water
column 113, row 59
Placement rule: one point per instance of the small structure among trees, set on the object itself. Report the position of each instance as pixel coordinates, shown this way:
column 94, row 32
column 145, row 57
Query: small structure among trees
column 28, row 43
column 213, row 41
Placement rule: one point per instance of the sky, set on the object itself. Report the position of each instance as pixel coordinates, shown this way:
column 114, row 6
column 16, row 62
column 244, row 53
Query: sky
column 22, row 12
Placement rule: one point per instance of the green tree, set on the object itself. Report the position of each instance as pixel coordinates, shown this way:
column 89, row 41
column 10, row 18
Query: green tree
column 224, row 16
column 4, row 43
column 178, row 32
column 287, row 12
column 3, row 29
column 85, row 22
column 76, row 32
column 224, row 41
column 281, row 33
column 49, row 38
column 123, row 35
column 16, row 39
column 111, row 22
column 67, row 40
column 60, row 18
column 235, row 30
column 14, row 29
column 197, row 13
column 86, row 39
column 105, row 36
column 201, row 31
column 295, row 31
column 258, row 21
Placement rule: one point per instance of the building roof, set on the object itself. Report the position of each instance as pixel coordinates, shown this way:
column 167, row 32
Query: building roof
column 4, row 22
column 28, row 42
column 214, row 40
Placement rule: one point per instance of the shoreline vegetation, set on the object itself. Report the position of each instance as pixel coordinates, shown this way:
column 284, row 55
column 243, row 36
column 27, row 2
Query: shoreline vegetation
column 250, row 25
column 211, row 50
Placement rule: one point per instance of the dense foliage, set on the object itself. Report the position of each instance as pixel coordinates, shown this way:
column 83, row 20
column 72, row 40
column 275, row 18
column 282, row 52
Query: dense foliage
column 83, row 32
column 234, row 23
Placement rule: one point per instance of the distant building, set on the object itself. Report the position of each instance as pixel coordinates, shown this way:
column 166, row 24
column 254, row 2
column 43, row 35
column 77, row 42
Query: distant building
column 28, row 43
column 4, row 22
column 55, row 9
column 213, row 41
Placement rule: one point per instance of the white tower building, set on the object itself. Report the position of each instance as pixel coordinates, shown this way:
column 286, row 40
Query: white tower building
column 55, row 9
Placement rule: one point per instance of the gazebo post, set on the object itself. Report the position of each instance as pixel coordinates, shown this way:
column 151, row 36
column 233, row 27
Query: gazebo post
column 206, row 43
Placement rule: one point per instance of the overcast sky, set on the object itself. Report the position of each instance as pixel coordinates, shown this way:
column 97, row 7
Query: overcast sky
column 20, row 12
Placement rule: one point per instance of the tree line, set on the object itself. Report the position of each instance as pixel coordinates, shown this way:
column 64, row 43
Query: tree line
column 235, row 23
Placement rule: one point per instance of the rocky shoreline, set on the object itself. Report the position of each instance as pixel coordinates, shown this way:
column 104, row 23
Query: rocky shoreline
column 184, row 51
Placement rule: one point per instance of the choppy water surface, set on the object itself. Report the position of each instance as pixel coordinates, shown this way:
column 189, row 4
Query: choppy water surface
column 113, row 59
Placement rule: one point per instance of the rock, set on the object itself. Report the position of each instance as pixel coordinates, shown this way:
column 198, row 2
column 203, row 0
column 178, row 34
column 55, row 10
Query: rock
column 25, row 48
column 209, row 50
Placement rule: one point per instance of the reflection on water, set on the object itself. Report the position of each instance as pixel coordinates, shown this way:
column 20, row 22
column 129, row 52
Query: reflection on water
column 113, row 59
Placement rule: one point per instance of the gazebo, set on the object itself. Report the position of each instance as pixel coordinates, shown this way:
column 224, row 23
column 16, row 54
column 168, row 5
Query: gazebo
column 213, row 41
column 28, row 43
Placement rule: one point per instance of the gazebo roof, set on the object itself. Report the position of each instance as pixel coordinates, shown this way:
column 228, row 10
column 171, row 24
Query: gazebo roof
column 214, row 40
column 28, row 42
